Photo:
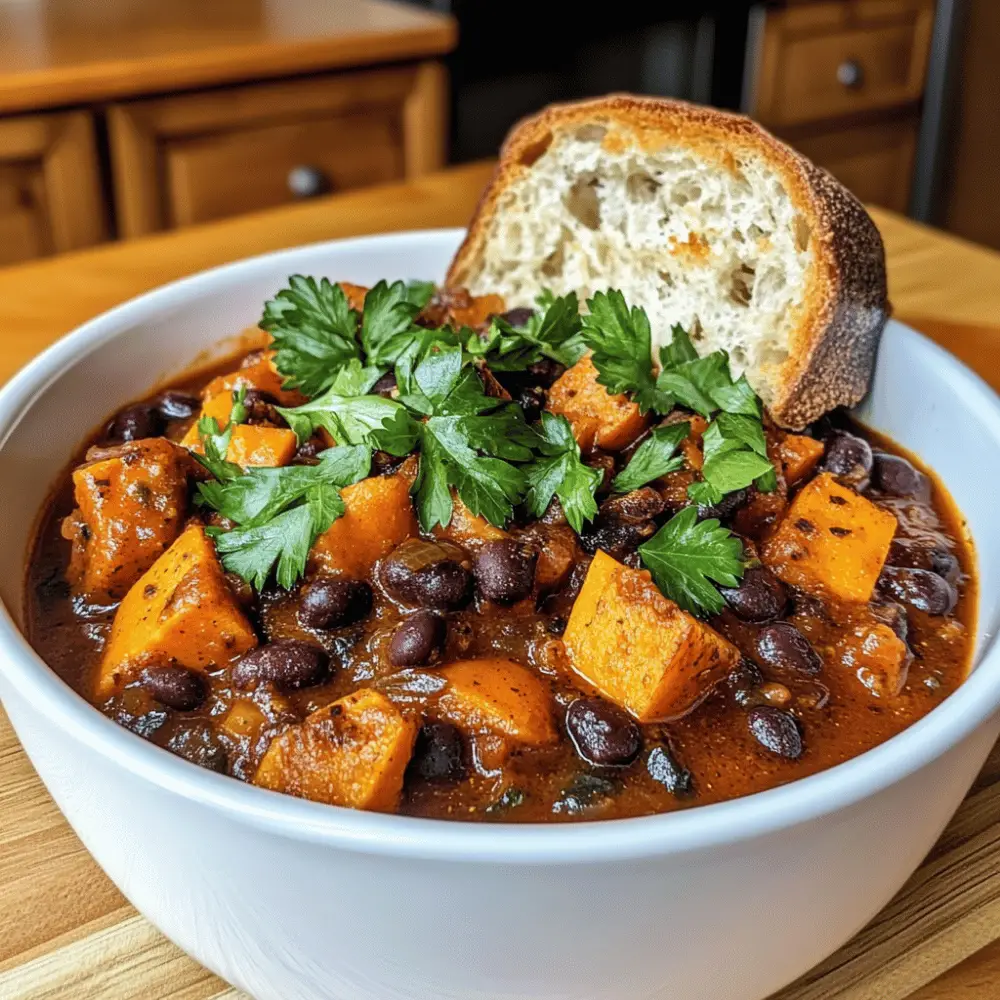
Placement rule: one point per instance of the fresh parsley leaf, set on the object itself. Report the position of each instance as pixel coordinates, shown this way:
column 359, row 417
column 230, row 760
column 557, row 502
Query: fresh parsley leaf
column 735, row 469
column 679, row 350
column 731, row 430
column 215, row 440
column 352, row 416
column 551, row 332
column 685, row 556
column 387, row 321
column 693, row 382
column 704, row 494
column 314, row 331
column 430, row 488
column 560, row 472
column 622, row 350
column 737, row 397
column 419, row 293
column 655, row 457
column 768, row 482
column 280, row 512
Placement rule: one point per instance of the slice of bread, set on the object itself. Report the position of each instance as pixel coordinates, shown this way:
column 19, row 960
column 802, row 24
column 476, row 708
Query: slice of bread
column 704, row 219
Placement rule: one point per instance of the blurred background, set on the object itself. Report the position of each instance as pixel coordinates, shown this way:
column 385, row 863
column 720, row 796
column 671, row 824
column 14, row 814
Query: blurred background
column 125, row 117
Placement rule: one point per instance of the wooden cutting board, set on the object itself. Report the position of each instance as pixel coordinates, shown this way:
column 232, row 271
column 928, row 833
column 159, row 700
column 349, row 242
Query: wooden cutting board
column 65, row 931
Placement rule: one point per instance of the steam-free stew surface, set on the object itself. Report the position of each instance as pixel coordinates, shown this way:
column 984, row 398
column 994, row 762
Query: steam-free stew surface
column 735, row 742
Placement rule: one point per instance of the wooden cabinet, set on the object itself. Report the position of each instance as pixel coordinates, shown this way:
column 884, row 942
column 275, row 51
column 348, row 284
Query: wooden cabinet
column 842, row 81
column 196, row 157
column 50, row 193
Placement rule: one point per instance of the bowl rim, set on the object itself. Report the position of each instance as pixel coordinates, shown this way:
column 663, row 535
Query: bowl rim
column 616, row 840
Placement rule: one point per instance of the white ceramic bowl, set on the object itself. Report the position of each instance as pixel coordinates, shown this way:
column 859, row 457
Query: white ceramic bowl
column 291, row 900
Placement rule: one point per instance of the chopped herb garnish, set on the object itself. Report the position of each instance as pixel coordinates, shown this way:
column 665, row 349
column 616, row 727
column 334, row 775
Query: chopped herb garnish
column 551, row 332
column 560, row 472
column 280, row 512
column 511, row 798
column 655, row 457
column 621, row 342
column 685, row 556
column 585, row 790
column 215, row 439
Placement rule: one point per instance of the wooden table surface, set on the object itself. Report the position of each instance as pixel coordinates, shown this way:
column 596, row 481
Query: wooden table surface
column 65, row 931
column 58, row 52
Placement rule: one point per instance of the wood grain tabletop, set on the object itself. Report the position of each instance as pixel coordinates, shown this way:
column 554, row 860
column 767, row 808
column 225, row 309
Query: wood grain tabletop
column 65, row 931
column 57, row 52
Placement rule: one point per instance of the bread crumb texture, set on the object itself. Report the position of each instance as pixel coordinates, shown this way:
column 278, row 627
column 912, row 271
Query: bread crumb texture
column 713, row 243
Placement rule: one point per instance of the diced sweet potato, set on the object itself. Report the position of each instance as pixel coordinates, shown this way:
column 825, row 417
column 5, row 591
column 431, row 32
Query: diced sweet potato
column 877, row 657
column 599, row 419
column 243, row 721
column 351, row 753
column 181, row 611
column 261, row 375
column 378, row 516
column 249, row 444
column 639, row 648
column 476, row 311
column 831, row 542
column 558, row 551
column 497, row 696
column 356, row 294
column 262, row 446
column 691, row 446
column 130, row 509
column 798, row 456
column 466, row 528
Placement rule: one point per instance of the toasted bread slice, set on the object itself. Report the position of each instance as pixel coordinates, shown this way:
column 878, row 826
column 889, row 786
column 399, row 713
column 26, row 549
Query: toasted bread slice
column 704, row 219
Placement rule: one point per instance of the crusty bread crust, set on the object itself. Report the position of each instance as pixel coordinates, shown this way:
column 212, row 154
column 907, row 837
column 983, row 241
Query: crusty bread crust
column 844, row 304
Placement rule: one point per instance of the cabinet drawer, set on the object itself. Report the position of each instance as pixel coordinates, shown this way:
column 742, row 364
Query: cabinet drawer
column 828, row 60
column 50, row 193
column 874, row 161
column 197, row 157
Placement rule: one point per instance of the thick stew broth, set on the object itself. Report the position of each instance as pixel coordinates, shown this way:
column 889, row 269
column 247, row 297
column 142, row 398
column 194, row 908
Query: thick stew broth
column 805, row 693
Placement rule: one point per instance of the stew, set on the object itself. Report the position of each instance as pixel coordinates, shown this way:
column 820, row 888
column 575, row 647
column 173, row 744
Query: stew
column 418, row 554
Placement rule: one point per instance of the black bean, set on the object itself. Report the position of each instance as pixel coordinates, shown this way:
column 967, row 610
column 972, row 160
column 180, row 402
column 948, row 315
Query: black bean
column 505, row 570
column 619, row 539
column 261, row 408
column 176, row 687
column 784, row 647
column 532, row 401
column 427, row 574
column 776, row 730
column 306, row 452
column 556, row 626
column 417, row 640
column 176, row 405
column 664, row 768
column 726, row 507
column 849, row 458
column 385, row 385
column 518, row 316
column 288, row 663
column 137, row 422
column 439, row 753
column 200, row 745
column 920, row 588
column 892, row 614
column 760, row 597
column 545, row 372
column 743, row 681
column 384, row 464
column 896, row 476
column 603, row 733
column 919, row 555
column 334, row 601
column 635, row 507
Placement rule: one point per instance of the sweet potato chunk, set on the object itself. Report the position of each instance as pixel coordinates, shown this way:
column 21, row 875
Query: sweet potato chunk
column 249, row 444
column 497, row 696
column 378, row 516
column 639, row 648
column 261, row 375
column 877, row 657
column 129, row 509
column 466, row 528
column 831, row 542
column 181, row 611
column 351, row 753
column 356, row 294
column 798, row 456
column 599, row 419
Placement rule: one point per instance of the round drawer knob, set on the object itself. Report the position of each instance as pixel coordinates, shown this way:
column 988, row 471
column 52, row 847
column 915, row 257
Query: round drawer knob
column 307, row 182
column 850, row 73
